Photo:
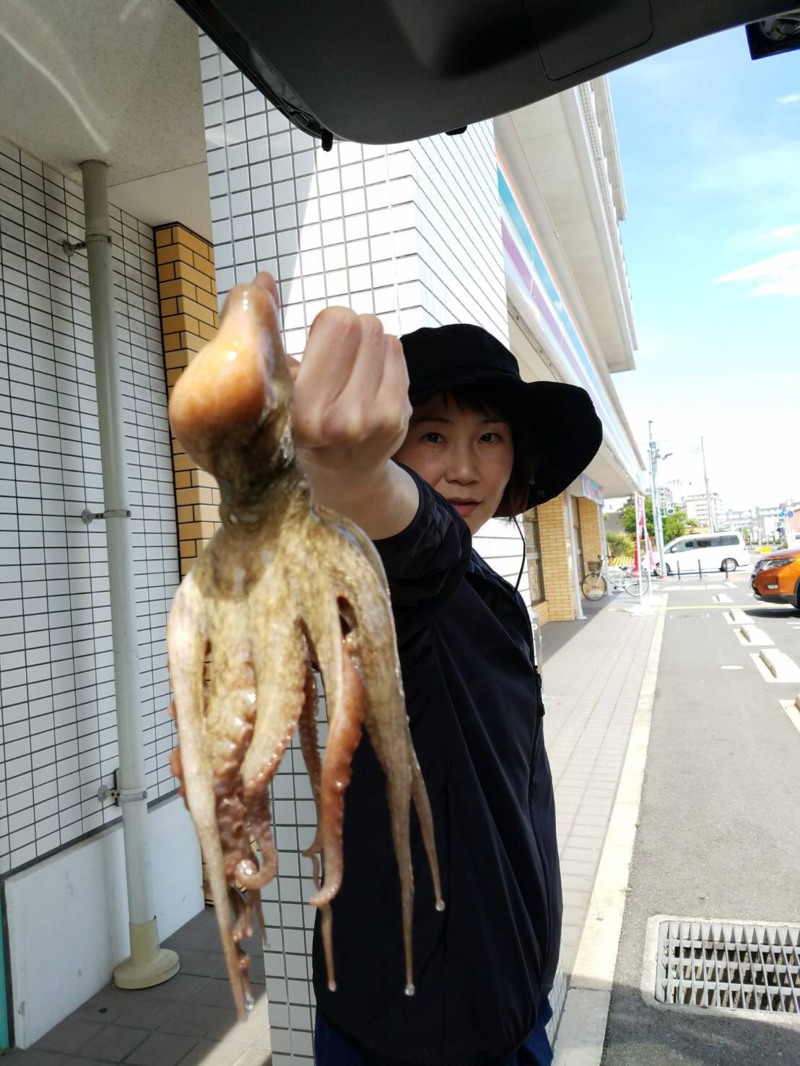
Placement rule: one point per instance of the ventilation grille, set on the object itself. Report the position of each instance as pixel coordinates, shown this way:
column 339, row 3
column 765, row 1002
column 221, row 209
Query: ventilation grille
column 731, row 965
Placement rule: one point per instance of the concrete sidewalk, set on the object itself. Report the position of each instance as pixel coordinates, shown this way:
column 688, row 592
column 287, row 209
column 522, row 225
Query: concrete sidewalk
column 592, row 676
column 599, row 682
column 593, row 672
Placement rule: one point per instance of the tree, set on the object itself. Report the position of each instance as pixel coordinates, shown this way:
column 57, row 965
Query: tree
column 620, row 545
column 674, row 525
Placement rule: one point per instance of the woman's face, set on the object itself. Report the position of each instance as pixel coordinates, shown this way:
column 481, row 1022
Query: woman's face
column 465, row 455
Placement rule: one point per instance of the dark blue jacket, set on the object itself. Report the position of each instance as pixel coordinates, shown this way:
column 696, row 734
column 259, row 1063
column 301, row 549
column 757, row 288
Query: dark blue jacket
column 474, row 700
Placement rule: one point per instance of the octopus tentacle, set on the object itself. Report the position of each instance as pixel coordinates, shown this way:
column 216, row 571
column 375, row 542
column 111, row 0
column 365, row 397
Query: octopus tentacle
column 280, row 683
column 310, row 748
column 309, row 745
column 186, row 644
column 228, row 749
column 375, row 655
column 345, row 726
column 422, row 805
column 362, row 542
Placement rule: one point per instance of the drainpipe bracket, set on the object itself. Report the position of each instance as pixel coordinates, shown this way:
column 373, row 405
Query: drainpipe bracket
column 71, row 247
column 88, row 516
column 121, row 795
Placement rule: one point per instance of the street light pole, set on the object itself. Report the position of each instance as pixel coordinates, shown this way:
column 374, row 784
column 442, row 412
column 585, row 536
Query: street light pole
column 656, row 504
column 708, row 492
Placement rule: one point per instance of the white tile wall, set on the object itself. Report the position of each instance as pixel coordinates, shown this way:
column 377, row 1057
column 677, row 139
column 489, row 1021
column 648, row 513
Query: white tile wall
column 59, row 737
column 501, row 545
column 462, row 275
column 409, row 232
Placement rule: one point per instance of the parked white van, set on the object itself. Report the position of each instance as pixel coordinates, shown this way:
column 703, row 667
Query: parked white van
column 712, row 551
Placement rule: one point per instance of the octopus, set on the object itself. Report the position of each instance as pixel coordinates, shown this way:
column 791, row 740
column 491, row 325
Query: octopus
column 284, row 590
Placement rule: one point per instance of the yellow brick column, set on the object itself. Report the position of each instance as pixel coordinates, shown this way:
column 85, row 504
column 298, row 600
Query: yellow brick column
column 187, row 292
column 591, row 530
column 556, row 561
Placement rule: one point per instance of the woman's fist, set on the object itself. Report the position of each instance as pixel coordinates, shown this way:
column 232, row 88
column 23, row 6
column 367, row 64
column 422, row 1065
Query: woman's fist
column 350, row 411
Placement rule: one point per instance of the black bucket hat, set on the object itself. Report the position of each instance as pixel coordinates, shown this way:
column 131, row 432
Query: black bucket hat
column 559, row 421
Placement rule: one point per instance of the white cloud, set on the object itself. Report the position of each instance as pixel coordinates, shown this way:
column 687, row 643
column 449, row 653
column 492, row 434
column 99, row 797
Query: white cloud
column 778, row 275
column 782, row 232
column 790, row 98
column 751, row 171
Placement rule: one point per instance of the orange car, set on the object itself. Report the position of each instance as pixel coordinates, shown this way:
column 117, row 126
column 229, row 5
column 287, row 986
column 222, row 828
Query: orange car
column 776, row 578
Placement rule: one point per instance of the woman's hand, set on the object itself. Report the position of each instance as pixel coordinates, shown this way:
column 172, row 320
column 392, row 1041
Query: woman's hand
column 351, row 410
column 350, row 414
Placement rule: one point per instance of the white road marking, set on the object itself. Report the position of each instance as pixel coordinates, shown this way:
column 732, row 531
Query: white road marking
column 750, row 634
column 731, row 668
column 722, row 597
column 690, row 588
column 792, row 708
column 737, row 617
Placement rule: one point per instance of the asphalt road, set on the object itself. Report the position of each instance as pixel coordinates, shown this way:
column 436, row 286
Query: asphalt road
column 719, row 832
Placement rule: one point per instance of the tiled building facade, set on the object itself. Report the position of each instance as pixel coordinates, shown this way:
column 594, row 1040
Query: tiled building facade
column 59, row 734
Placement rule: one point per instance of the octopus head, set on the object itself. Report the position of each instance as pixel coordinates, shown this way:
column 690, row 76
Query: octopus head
column 230, row 407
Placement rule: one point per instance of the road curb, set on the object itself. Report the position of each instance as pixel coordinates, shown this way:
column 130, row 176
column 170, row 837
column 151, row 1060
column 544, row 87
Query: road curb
column 581, row 1033
column 780, row 665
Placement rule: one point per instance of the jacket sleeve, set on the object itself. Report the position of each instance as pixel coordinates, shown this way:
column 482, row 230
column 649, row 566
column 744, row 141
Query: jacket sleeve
column 426, row 561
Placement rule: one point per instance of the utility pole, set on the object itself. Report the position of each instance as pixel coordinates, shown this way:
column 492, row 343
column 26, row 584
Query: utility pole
column 654, row 457
column 708, row 491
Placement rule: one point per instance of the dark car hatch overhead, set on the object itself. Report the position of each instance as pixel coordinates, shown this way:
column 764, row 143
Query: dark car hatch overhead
column 383, row 71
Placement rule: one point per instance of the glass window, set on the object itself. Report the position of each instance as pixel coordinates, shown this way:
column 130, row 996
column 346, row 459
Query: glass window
column 533, row 553
column 578, row 536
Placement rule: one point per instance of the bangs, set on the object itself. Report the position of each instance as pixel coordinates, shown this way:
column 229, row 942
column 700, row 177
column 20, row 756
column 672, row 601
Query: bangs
column 479, row 399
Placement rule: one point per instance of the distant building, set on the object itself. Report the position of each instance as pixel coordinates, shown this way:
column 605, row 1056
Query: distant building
column 744, row 520
column 696, row 508
column 767, row 525
column 767, row 522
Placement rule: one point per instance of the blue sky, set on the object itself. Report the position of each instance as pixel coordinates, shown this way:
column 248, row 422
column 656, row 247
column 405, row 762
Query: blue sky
column 709, row 143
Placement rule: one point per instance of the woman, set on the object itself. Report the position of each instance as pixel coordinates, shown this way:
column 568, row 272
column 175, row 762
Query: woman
column 422, row 444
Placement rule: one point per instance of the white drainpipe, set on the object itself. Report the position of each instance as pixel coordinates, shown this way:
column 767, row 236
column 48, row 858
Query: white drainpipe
column 148, row 963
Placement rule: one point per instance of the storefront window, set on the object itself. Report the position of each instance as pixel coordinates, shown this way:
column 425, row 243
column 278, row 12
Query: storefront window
column 533, row 554
column 578, row 537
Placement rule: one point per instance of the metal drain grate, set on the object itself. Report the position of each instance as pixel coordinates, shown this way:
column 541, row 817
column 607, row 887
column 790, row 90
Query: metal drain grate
column 729, row 965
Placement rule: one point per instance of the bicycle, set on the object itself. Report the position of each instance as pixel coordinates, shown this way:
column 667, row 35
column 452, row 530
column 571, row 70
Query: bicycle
column 629, row 582
column 596, row 583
